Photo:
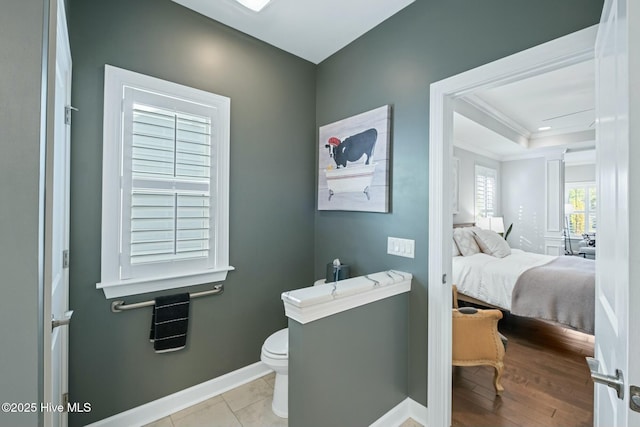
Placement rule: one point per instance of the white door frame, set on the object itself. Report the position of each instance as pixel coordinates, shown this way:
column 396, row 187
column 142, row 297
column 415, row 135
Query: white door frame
column 56, row 229
column 568, row 50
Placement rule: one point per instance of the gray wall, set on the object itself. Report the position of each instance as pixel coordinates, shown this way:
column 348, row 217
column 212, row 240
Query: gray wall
column 524, row 203
column 21, row 47
column 348, row 369
column 467, row 184
column 394, row 64
column 272, row 198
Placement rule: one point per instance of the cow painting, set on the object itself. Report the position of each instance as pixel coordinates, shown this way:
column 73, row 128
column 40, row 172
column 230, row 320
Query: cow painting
column 352, row 148
column 353, row 162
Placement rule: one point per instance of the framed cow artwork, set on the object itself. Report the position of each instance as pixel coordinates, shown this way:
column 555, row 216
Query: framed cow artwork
column 353, row 166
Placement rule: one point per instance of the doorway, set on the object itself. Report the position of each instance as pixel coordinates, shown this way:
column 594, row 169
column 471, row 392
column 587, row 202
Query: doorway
column 572, row 49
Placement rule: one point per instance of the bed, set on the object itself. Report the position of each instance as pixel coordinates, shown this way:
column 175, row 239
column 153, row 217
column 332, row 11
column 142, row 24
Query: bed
column 560, row 289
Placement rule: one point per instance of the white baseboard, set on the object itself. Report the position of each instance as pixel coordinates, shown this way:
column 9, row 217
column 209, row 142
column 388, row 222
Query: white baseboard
column 175, row 402
column 404, row 410
column 167, row 405
column 418, row 412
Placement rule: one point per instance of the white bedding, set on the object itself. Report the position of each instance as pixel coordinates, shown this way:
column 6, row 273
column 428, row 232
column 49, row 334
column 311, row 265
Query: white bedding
column 492, row 279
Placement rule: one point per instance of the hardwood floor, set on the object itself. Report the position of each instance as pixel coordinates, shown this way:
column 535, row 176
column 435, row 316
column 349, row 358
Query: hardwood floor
column 546, row 380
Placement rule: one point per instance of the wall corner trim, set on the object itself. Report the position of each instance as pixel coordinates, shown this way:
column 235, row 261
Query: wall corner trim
column 167, row 405
column 400, row 413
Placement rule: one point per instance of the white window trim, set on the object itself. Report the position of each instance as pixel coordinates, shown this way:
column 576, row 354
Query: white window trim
column 115, row 81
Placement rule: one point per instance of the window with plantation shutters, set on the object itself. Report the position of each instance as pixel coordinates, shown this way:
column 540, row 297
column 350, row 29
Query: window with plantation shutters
column 582, row 196
column 165, row 185
column 486, row 191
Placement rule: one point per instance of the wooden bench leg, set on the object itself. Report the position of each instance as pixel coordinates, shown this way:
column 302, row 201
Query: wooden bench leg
column 496, row 378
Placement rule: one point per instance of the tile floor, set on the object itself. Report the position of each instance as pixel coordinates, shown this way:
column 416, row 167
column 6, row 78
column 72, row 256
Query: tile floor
column 411, row 423
column 246, row 406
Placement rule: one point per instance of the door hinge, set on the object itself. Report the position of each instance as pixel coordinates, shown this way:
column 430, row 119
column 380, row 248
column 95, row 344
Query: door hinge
column 444, row 279
column 65, row 258
column 65, row 402
column 67, row 113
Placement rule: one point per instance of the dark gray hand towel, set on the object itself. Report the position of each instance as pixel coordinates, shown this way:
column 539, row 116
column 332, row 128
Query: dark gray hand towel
column 169, row 323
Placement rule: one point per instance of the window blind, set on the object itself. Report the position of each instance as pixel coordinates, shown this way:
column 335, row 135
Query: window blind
column 486, row 191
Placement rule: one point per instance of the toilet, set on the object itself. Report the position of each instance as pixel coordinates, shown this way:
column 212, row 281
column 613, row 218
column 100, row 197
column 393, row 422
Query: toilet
column 275, row 354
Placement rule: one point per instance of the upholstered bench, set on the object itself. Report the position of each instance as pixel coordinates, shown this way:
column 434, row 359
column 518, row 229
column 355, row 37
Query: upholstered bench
column 476, row 340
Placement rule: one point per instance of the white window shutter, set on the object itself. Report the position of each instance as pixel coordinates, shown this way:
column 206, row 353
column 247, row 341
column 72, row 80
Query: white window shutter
column 486, row 191
column 169, row 146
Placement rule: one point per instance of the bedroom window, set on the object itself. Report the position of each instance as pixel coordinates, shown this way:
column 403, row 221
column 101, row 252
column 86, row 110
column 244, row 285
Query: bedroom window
column 582, row 196
column 165, row 185
column 486, row 191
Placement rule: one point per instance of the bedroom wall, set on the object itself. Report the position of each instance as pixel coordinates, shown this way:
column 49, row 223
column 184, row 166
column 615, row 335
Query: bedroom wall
column 524, row 202
column 467, row 186
column 394, row 64
column 580, row 173
column 271, row 199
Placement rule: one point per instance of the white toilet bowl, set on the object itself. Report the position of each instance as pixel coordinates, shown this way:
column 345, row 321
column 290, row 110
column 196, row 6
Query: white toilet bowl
column 275, row 354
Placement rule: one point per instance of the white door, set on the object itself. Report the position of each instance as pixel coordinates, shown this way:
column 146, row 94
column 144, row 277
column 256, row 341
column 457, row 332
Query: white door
column 57, row 231
column 617, row 272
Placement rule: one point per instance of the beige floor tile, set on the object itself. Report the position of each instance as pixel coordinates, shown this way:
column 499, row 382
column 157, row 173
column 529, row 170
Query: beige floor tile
column 259, row 414
column 411, row 423
column 162, row 422
column 247, row 394
column 270, row 379
column 217, row 415
column 197, row 407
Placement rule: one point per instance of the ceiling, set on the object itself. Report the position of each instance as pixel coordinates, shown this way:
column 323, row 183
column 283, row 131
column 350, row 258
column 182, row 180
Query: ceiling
column 310, row 29
column 505, row 122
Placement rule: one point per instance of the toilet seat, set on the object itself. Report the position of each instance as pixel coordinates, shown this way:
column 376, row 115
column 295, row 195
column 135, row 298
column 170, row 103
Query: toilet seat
column 277, row 345
column 274, row 356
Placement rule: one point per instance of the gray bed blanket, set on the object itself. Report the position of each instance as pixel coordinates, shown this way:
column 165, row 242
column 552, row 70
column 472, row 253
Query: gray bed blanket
column 562, row 291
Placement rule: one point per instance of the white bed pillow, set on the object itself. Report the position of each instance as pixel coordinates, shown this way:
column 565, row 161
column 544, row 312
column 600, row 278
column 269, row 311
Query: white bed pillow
column 454, row 249
column 491, row 243
column 465, row 241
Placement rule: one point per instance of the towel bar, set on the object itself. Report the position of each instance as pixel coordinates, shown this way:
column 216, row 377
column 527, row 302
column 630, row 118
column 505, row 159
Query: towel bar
column 118, row 306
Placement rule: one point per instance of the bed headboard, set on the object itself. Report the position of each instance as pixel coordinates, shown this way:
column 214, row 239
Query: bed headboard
column 464, row 224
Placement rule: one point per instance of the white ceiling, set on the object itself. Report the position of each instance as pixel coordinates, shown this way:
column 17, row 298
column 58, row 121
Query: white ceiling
column 310, row 29
column 563, row 99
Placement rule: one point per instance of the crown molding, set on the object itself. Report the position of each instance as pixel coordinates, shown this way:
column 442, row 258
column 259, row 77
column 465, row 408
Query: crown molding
column 481, row 105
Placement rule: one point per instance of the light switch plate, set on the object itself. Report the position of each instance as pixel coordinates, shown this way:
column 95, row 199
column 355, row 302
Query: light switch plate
column 401, row 247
